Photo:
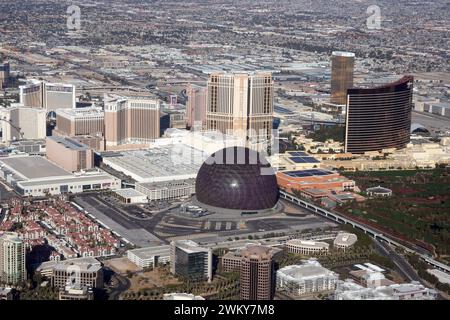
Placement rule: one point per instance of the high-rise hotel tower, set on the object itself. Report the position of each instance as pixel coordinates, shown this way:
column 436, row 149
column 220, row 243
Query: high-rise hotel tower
column 379, row 118
column 131, row 120
column 241, row 104
column 342, row 67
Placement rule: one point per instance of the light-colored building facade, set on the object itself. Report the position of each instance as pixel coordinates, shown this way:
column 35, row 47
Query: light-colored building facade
column 131, row 120
column 241, row 104
column 22, row 123
column 307, row 278
column 86, row 272
column 307, row 247
column 69, row 153
column 150, row 256
column 167, row 190
column 80, row 122
column 345, row 240
column 349, row 290
column 48, row 96
column 36, row 176
column 75, row 292
column 12, row 259
column 196, row 106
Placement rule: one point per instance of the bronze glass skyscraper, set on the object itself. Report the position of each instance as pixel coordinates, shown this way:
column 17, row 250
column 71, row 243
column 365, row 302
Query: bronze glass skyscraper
column 257, row 273
column 379, row 118
column 342, row 66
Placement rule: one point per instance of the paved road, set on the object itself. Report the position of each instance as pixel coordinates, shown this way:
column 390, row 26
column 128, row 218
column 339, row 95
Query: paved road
column 402, row 265
column 122, row 284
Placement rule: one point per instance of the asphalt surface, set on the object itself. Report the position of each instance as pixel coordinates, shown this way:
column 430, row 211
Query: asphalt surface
column 401, row 264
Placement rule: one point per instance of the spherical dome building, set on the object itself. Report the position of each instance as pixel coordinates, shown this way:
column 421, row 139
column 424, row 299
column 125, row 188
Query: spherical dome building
column 237, row 178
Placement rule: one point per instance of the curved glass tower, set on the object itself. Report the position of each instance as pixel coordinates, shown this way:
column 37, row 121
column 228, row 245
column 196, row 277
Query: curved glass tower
column 379, row 118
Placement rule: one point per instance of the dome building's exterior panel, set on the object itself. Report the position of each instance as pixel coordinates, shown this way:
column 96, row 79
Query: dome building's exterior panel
column 237, row 178
column 379, row 118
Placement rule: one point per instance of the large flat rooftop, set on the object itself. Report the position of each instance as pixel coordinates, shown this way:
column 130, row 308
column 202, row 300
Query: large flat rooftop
column 33, row 167
column 166, row 163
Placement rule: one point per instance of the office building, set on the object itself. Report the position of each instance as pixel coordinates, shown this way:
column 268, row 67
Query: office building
column 12, row 259
column 257, row 273
column 4, row 74
column 349, row 290
column 22, row 122
column 80, row 122
column 307, row 247
column 76, row 292
column 150, row 257
column 196, row 106
column 190, row 261
column 69, row 153
column 342, row 68
column 84, row 272
column 241, row 104
column 48, row 96
column 307, row 278
column 345, row 240
column 131, row 120
column 379, row 118
column 231, row 261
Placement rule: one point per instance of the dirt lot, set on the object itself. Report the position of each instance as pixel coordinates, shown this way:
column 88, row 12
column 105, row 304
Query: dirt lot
column 150, row 279
column 121, row 265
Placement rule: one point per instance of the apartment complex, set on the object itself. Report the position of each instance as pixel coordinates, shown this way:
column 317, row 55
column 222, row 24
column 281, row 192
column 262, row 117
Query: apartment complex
column 196, row 106
column 80, row 122
column 257, row 273
column 22, row 123
column 190, row 261
column 241, row 104
column 342, row 68
column 70, row 154
column 379, row 118
column 12, row 258
column 48, row 96
column 131, row 120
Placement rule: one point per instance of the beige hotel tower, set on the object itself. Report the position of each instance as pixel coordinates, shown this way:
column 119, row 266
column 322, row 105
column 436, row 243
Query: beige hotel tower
column 131, row 120
column 241, row 104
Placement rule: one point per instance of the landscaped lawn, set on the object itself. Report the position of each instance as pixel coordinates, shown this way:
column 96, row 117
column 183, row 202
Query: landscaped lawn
column 419, row 208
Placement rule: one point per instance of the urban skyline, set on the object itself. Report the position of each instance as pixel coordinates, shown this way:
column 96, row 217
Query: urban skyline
column 224, row 150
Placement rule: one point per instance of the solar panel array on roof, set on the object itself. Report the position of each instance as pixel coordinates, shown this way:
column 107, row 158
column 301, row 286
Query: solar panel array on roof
column 298, row 154
column 304, row 160
column 308, row 173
